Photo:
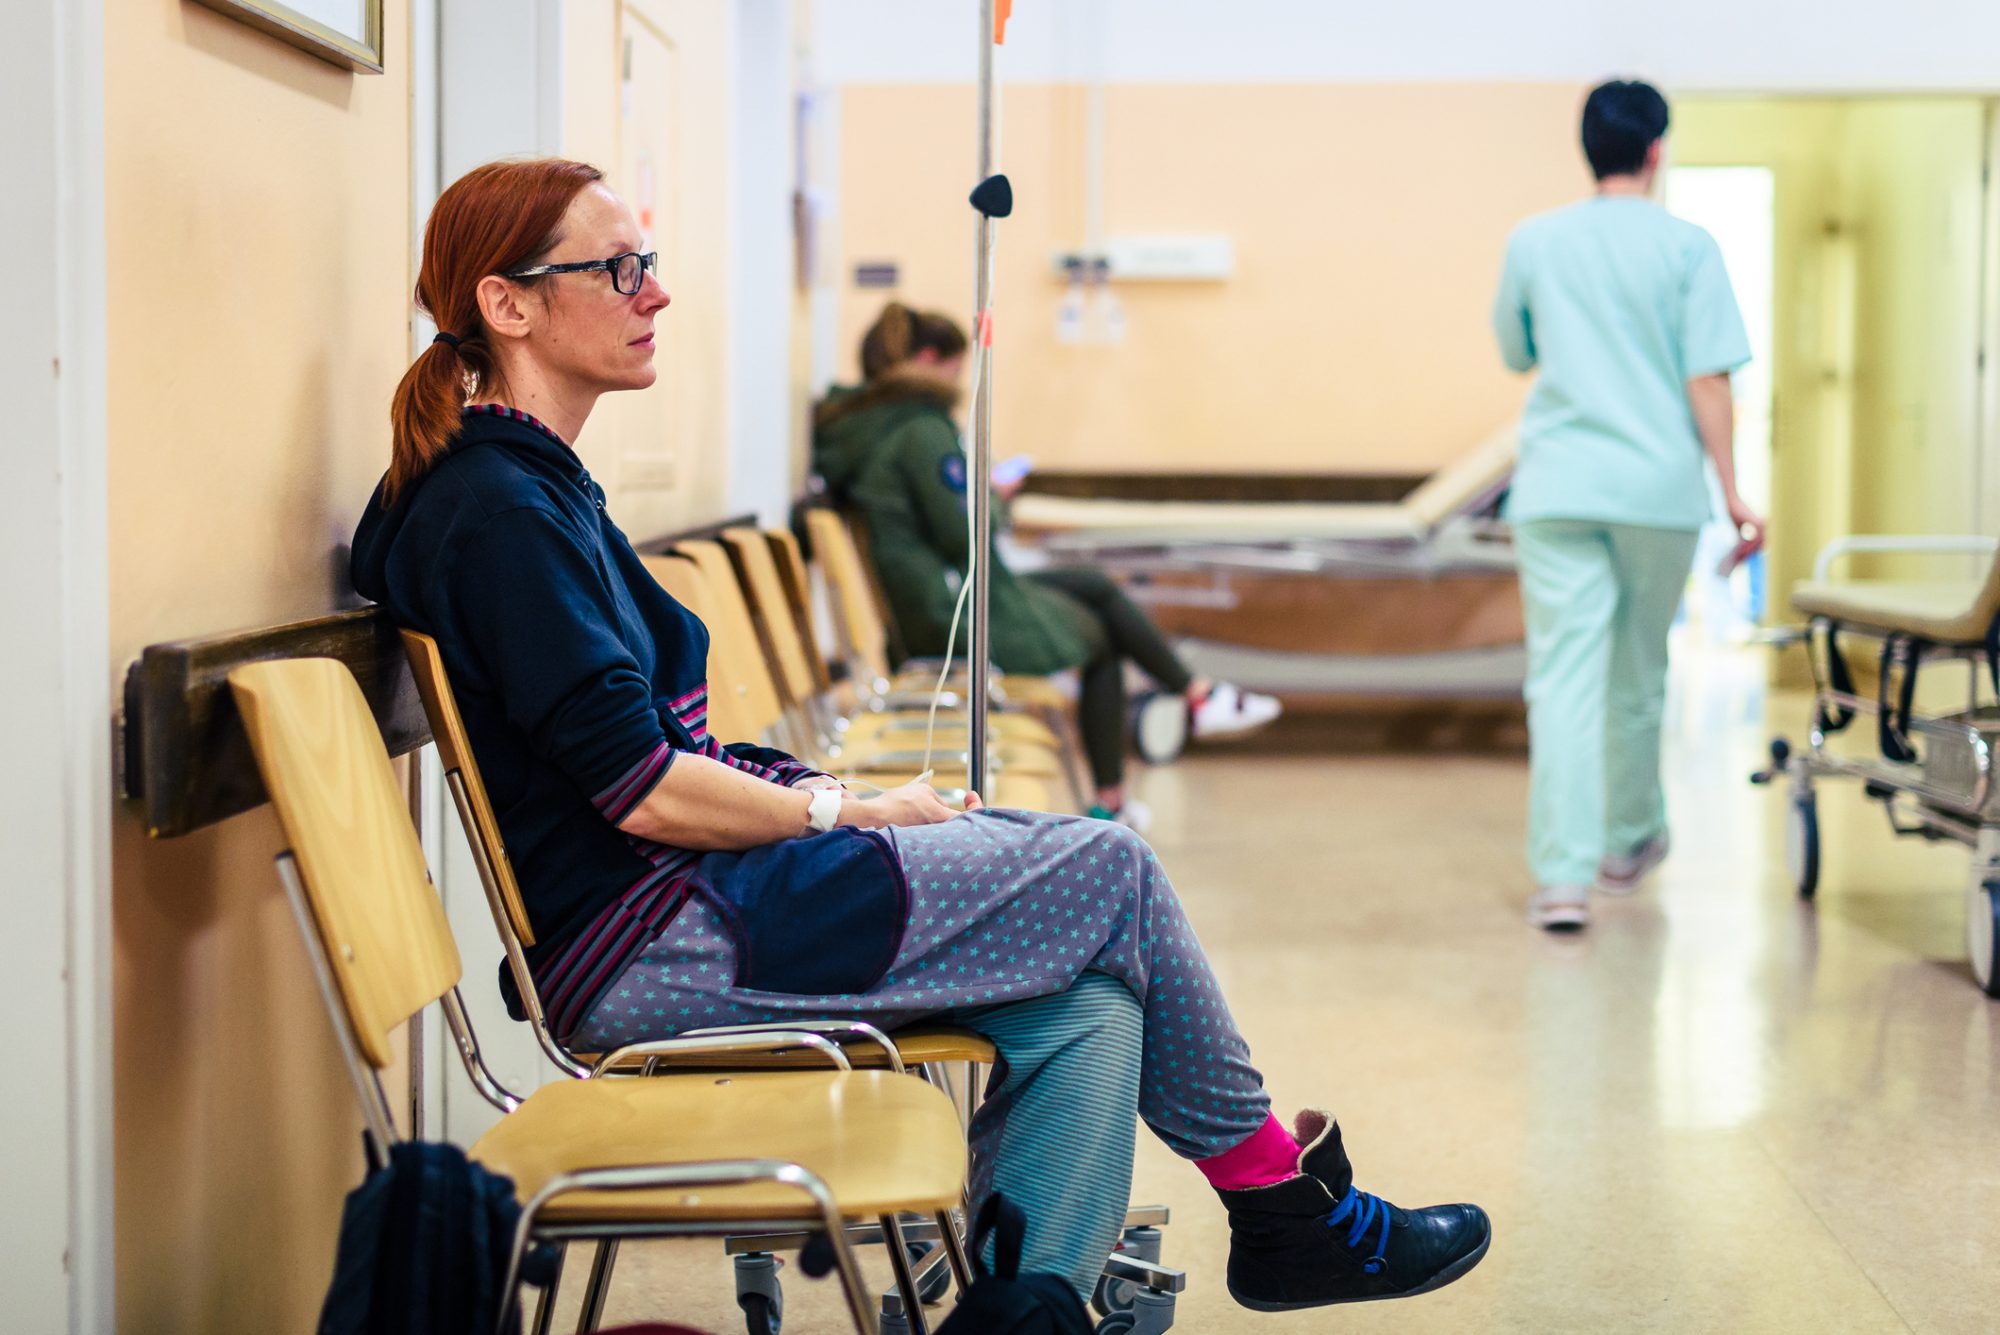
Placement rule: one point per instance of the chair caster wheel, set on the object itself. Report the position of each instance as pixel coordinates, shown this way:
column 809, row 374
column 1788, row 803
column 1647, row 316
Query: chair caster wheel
column 1982, row 933
column 1151, row 1313
column 759, row 1293
column 1802, row 844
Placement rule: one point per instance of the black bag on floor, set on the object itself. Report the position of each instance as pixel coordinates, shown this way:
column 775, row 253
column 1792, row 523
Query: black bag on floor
column 1004, row 1301
column 424, row 1243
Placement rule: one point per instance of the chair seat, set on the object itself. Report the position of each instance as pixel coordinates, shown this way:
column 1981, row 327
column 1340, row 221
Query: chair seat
column 1007, row 727
column 1038, row 693
column 1003, row 790
column 923, row 1043
column 949, row 754
column 1942, row 611
column 881, row 1143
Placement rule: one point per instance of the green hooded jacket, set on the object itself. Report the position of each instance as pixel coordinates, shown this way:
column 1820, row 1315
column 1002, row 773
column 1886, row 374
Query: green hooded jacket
column 890, row 451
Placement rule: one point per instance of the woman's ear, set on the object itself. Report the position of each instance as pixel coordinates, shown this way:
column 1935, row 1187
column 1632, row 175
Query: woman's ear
column 502, row 308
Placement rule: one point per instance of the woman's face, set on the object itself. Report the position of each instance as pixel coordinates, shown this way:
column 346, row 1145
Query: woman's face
column 594, row 334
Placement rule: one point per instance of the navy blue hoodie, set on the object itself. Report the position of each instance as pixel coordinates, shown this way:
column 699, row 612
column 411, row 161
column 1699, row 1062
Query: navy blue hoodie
column 579, row 679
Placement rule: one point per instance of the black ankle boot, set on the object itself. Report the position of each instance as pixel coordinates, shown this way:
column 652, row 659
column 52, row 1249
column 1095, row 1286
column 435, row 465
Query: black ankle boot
column 1313, row 1240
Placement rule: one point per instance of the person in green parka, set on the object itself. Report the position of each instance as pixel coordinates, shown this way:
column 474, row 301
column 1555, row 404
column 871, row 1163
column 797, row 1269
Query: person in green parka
column 889, row 449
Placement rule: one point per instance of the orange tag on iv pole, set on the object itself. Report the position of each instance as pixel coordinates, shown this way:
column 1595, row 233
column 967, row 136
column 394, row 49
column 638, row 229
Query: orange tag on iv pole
column 1002, row 11
column 986, row 328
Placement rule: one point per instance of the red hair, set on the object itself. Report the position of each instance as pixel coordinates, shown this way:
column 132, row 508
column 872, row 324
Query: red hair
column 502, row 216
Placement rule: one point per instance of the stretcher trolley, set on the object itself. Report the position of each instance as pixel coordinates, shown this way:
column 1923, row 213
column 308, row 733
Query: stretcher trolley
column 1933, row 773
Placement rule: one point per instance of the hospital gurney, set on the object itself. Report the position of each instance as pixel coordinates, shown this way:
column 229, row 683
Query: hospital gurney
column 1933, row 773
column 1414, row 598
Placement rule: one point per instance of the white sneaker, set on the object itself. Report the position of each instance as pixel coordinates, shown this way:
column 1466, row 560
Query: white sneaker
column 1560, row 908
column 1228, row 712
column 1621, row 875
column 1135, row 816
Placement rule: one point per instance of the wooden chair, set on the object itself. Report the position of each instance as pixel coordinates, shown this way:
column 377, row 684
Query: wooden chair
column 604, row 1159
column 741, row 664
column 789, row 650
column 1019, row 702
column 931, row 1051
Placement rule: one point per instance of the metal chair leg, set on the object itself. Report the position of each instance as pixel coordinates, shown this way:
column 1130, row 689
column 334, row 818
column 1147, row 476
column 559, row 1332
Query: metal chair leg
column 545, row 1303
column 954, row 1248
column 859, row 1305
column 906, row 1279
column 594, row 1293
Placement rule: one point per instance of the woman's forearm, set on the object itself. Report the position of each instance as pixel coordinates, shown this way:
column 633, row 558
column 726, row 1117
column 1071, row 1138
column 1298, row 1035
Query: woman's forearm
column 704, row 804
column 1714, row 406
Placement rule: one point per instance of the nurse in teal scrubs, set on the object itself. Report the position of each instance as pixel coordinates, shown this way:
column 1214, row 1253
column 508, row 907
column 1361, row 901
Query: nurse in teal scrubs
column 1626, row 314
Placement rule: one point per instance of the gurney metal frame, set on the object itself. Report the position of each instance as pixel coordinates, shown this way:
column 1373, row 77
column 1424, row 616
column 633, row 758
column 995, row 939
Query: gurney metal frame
column 1935, row 776
column 1448, row 526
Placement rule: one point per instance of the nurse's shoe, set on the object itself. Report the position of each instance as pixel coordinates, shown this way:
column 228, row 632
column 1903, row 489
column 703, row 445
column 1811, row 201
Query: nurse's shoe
column 1314, row 1240
column 1560, row 908
column 1228, row 712
column 1621, row 875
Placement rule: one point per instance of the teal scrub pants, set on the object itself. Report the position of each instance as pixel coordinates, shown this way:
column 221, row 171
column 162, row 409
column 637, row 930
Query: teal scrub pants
column 1600, row 599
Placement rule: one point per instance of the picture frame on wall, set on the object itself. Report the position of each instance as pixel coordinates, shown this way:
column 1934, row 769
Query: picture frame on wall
column 347, row 33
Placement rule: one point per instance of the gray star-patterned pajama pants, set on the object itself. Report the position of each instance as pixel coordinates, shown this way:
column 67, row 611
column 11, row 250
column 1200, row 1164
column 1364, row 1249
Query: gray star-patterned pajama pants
column 1020, row 924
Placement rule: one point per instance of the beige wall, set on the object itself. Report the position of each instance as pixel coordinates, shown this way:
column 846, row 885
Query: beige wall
column 1874, row 377
column 661, row 454
column 1368, row 221
column 258, row 204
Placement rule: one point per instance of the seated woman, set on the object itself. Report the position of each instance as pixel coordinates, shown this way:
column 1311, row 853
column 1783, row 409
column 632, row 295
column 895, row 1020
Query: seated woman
column 890, row 450
column 677, row 883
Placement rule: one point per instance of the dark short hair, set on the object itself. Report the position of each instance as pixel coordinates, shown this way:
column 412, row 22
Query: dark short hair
column 1621, row 120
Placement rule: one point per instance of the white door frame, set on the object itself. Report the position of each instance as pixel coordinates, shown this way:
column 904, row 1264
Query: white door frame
column 466, row 114
column 56, row 1216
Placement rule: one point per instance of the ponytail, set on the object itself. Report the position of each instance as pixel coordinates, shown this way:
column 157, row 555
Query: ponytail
column 900, row 333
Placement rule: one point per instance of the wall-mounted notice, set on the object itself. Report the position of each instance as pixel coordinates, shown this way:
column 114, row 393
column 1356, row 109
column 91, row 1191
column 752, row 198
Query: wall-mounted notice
column 876, row 273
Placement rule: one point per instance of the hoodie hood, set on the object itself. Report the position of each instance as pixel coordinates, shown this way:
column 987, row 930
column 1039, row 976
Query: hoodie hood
column 852, row 420
column 498, row 460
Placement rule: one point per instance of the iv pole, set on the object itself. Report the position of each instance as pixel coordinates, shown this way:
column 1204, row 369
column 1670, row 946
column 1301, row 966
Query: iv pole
column 992, row 198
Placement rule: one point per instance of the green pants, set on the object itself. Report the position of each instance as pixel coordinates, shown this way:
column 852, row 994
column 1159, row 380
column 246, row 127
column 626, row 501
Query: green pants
column 1600, row 599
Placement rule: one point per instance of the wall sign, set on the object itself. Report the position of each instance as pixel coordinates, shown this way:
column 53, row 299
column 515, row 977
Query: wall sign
column 347, row 33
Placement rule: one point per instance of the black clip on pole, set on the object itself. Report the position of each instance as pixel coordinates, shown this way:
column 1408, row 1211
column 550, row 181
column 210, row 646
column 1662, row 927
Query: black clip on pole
column 993, row 197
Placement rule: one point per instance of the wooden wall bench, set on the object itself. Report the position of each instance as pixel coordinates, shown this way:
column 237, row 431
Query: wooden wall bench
column 183, row 755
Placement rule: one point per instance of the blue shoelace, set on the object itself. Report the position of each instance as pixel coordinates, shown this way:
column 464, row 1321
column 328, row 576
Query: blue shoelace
column 1361, row 1212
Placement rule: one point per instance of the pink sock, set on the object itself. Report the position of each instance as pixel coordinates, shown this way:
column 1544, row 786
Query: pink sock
column 1268, row 1155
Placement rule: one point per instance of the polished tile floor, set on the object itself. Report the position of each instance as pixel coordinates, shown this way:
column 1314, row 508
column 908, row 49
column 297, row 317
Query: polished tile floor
column 1718, row 1111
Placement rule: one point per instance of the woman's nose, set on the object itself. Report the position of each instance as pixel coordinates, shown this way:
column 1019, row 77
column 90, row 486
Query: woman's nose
column 653, row 294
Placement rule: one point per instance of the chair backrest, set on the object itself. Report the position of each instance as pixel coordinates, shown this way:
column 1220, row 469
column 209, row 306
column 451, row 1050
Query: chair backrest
column 728, row 718
column 455, row 753
column 863, row 637
column 790, row 654
column 799, row 593
column 347, row 821
column 1469, row 479
column 736, row 647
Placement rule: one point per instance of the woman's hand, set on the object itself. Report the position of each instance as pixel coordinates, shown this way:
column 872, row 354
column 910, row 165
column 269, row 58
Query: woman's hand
column 911, row 804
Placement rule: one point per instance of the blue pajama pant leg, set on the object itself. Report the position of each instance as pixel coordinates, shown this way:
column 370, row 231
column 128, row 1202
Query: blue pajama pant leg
column 1011, row 904
column 1064, row 1097
column 1016, row 918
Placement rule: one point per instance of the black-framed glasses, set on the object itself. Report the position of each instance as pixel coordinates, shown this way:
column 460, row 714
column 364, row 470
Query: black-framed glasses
column 628, row 271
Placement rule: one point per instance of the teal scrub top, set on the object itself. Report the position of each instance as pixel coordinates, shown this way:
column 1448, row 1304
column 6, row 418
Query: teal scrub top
column 1618, row 304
